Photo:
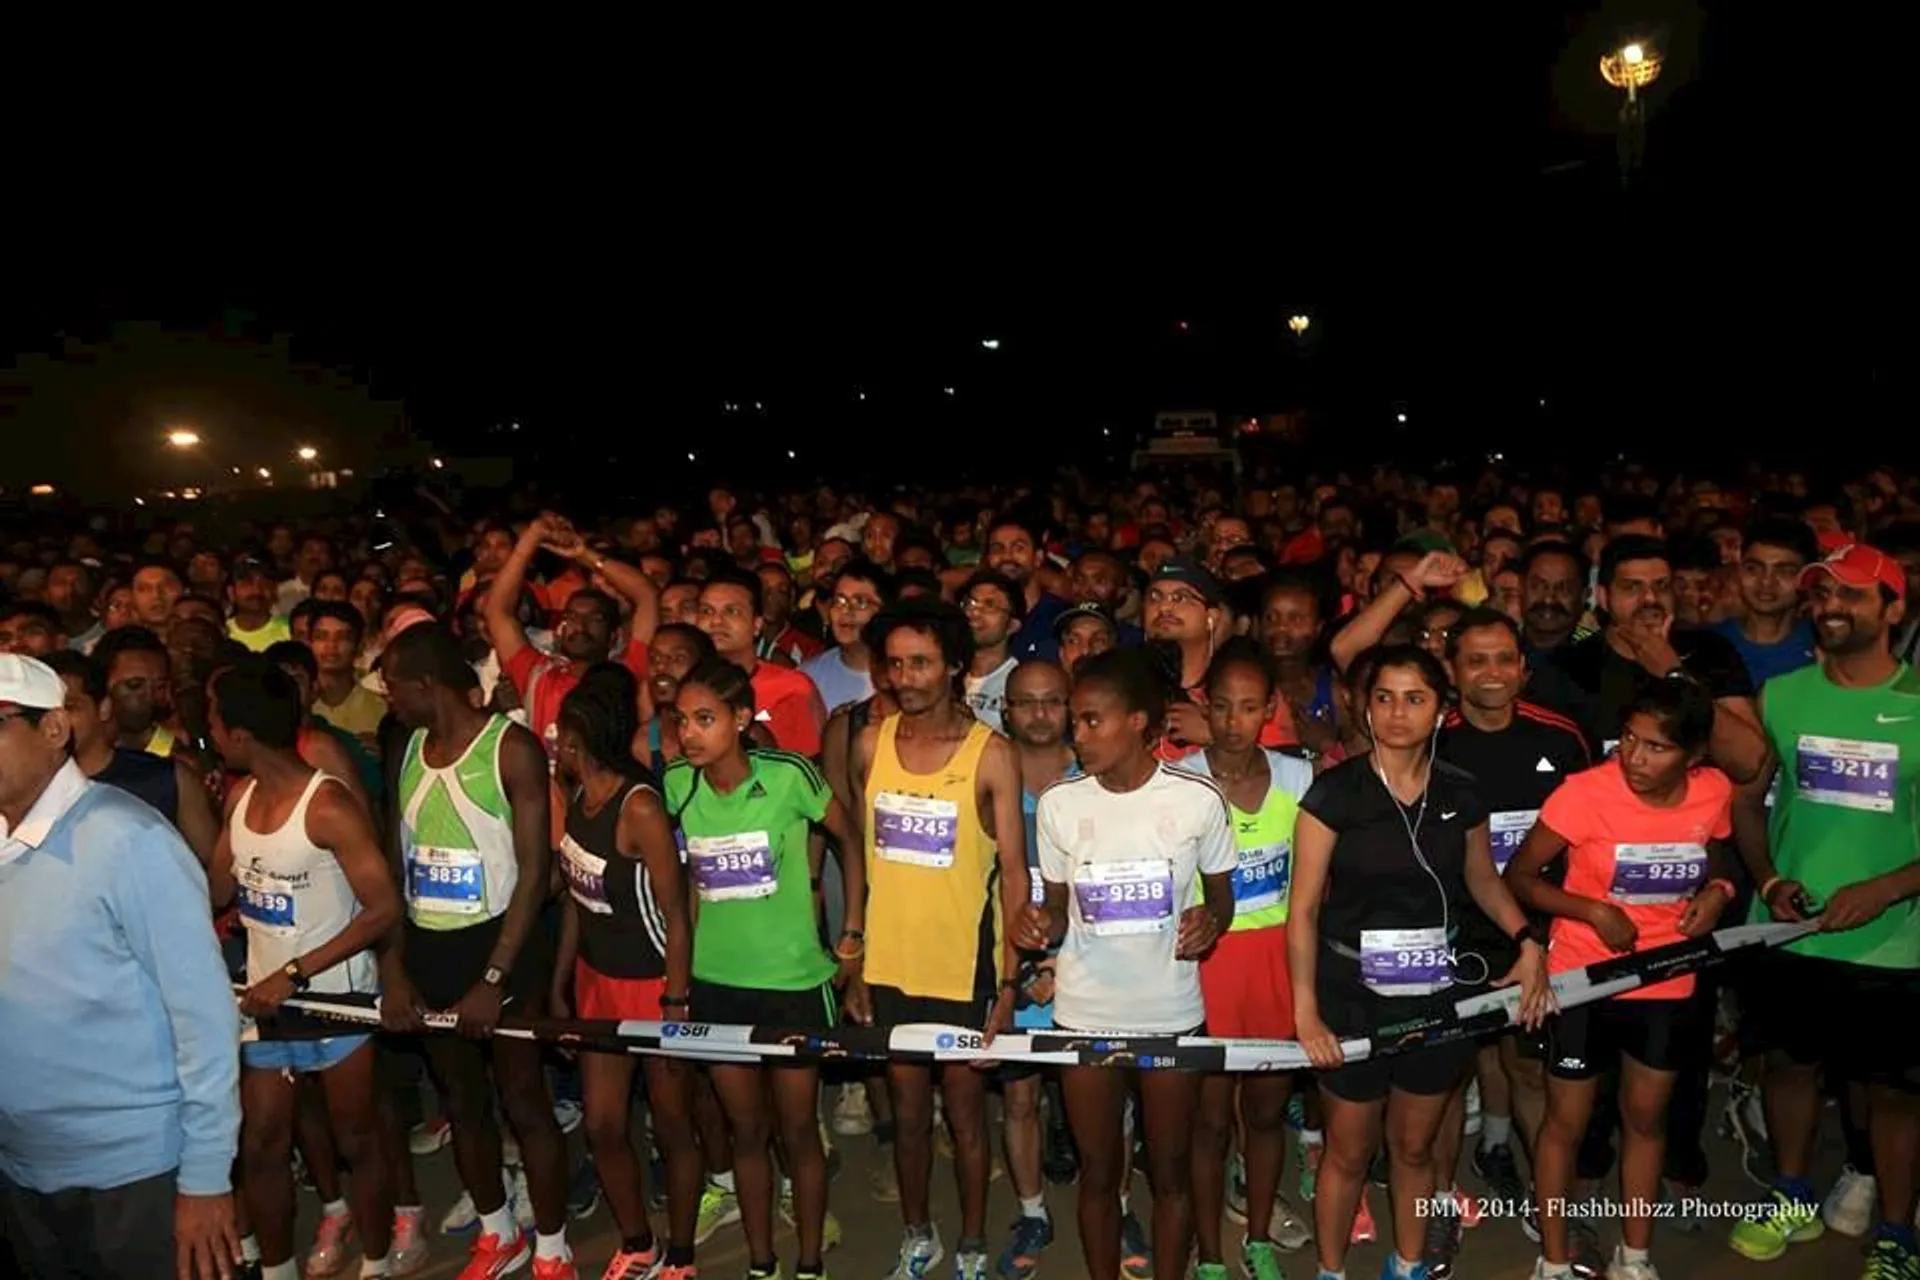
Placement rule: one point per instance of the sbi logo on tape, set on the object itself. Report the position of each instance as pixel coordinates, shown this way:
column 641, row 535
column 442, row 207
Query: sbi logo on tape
column 964, row 1040
column 682, row 1031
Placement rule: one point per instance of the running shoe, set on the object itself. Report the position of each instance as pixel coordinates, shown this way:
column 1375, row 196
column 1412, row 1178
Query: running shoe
column 429, row 1136
column 461, row 1218
column 1259, row 1261
column 1289, row 1229
column 1765, row 1234
column 330, row 1245
column 491, row 1257
column 1442, row 1246
column 1364, row 1232
column 628, row 1264
column 883, row 1180
column 1686, row 1202
column 583, row 1196
column 1308, row 1154
column 852, row 1114
column 970, row 1260
column 1891, row 1259
column 520, row 1200
column 1621, row 1269
column 1211, row 1271
column 1136, row 1251
column 1021, row 1258
column 554, row 1268
column 567, row 1114
column 409, row 1250
column 1472, row 1129
column 1499, row 1172
column 764, row 1273
column 719, row 1208
column 920, row 1252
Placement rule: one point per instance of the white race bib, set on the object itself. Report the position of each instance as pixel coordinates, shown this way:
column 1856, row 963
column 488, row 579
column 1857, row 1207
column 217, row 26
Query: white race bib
column 915, row 830
column 1119, row 898
column 732, row 868
column 1648, row 874
column 447, row 881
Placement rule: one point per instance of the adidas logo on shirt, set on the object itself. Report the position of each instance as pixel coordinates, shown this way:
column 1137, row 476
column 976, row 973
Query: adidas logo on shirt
column 756, row 792
column 1545, row 766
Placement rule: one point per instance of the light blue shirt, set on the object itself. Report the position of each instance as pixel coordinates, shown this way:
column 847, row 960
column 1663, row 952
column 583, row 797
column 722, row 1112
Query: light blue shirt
column 119, row 1036
column 838, row 683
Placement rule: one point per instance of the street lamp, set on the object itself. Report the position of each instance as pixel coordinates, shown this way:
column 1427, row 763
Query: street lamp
column 264, row 474
column 1631, row 68
column 1299, row 324
column 183, row 439
column 307, row 453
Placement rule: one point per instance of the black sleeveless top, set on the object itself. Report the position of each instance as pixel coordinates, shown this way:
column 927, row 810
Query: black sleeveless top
column 622, row 931
column 149, row 777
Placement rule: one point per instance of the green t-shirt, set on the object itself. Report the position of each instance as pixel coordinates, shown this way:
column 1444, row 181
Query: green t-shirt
column 1849, row 802
column 746, row 853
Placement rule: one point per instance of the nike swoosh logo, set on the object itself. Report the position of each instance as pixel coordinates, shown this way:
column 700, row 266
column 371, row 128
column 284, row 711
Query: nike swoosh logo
column 1445, row 816
column 1883, row 718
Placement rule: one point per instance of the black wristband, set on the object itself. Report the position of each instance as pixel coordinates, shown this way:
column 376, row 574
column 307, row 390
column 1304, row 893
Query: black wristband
column 1526, row 933
column 675, row 1002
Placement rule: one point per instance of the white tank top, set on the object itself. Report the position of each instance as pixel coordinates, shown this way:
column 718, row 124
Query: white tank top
column 294, row 896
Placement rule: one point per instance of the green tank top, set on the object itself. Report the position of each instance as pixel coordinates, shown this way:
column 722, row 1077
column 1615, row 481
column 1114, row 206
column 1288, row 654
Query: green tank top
column 456, row 834
column 1849, row 802
column 1263, row 882
column 746, row 855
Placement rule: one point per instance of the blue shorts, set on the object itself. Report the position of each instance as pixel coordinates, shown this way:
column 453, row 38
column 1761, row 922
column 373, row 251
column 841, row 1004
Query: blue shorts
column 302, row 1056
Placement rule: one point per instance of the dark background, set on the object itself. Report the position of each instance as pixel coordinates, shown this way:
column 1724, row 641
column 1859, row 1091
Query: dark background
column 611, row 253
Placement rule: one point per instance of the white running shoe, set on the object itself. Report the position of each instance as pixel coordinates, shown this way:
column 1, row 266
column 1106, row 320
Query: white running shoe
column 461, row 1218
column 852, row 1114
column 1473, row 1108
column 1850, row 1208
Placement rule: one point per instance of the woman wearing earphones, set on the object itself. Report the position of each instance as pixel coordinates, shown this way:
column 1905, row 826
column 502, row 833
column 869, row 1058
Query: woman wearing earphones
column 1390, row 849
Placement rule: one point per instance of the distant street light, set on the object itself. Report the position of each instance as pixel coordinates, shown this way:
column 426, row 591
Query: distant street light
column 183, row 439
column 41, row 491
column 308, row 453
column 1630, row 69
column 438, row 464
column 264, row 473
column 991, row 344
column 1299, row 324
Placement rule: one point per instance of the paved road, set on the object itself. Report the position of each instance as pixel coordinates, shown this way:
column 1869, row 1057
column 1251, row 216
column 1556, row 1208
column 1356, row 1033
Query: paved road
column 1496, row 1250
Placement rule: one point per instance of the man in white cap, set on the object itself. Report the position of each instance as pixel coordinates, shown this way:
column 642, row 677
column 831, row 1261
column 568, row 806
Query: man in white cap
column 118, row 1029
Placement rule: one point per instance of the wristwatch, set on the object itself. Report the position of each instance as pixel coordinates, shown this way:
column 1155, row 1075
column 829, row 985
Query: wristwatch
column 299, row 980
column 1527, row 933
column 494, row 976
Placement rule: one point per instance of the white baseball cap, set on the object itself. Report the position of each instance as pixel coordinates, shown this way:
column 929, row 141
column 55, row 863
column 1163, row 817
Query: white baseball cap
column 29, row 682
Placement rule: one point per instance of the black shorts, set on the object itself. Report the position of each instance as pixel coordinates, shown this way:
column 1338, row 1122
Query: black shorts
column 1584, row 1041
column 445, row 963
column 1351, row 1010
column 893, row 1007
column 809, row 1009
column 1855, row 1020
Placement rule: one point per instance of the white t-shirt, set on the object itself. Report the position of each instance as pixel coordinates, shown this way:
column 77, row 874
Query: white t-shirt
column 1131, row 863
column 987, row 695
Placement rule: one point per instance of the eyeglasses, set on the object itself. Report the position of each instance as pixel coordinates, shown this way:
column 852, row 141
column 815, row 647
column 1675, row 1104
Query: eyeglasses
column 854, row 604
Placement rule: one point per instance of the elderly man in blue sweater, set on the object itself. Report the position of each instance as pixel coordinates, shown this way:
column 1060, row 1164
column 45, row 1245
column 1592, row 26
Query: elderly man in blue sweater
column 119, row 1037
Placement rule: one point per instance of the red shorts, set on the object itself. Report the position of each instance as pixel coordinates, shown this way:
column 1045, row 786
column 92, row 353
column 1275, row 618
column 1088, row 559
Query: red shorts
column 1247, row 986
column 595, row 995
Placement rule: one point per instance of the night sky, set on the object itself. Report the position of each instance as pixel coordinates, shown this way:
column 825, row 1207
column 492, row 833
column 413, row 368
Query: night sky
column 752, row 225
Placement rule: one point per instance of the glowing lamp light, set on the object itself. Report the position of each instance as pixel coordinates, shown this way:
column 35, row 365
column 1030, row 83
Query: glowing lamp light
column 1299, row 324
column 307, row 453
column 1632, row 67
column 41, row 491
column 183, row 439
column 991, row 344
column 438, row 464
column 264, row 473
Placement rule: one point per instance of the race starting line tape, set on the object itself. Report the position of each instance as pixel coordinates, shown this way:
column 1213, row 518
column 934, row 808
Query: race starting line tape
column 729, row 1043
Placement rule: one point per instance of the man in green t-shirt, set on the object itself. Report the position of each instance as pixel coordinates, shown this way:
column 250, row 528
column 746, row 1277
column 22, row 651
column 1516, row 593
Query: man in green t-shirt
column 1842, row 846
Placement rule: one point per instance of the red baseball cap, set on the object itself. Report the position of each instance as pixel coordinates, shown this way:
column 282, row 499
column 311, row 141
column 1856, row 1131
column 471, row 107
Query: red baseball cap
column 1859, row 565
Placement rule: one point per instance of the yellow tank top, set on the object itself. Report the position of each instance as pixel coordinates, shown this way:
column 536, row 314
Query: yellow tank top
column 933, row 901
